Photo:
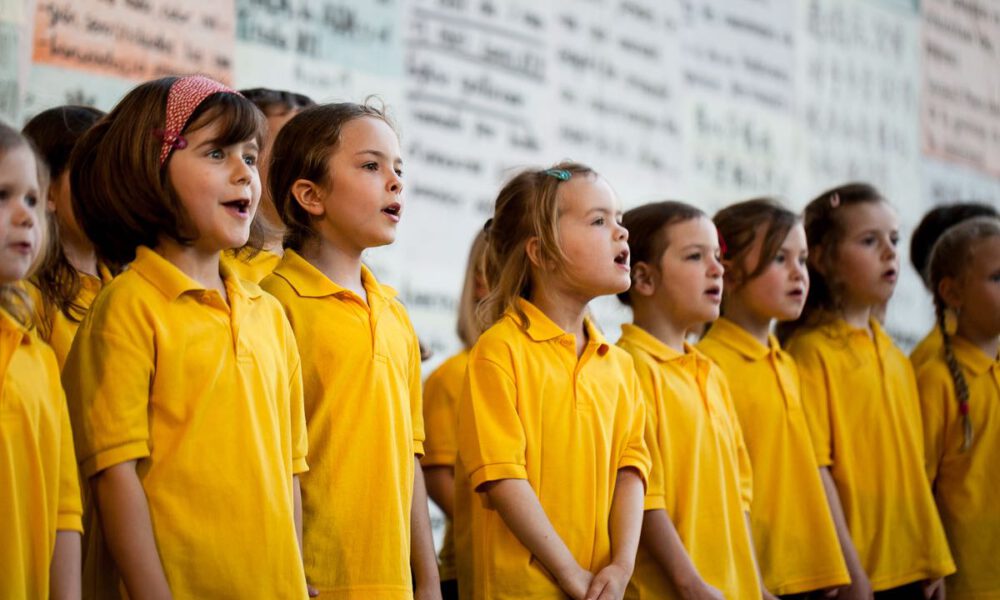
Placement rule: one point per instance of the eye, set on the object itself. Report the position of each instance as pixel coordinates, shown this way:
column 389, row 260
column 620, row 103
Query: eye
column 598, row 221
column 216, row 153
column 399, row 173
column 693, row 256
column 804, row 260
column 250, row 159
column 779, row 258
column 894, row 240
column 4, row 194
column 868, row 240
column 371, row 166
column 31, row 200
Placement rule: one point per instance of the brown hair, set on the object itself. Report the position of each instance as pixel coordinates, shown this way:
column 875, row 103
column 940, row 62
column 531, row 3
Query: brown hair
column 13, row 297
column 55, row 132
column 647, row 227
column 938, row 220
column 468, row 325
column 823, row 220
column 949, row 259
column 302, row 150
column 274, row 102
column 122, row 196
column 738, row 226
column 527, row 207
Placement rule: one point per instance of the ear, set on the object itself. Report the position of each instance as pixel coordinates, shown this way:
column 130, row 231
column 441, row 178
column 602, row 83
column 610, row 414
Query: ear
column 644, row 279
column 309, row 195
column 729, row 278
column 815, row 260
column 949, row 292
column 533, row 249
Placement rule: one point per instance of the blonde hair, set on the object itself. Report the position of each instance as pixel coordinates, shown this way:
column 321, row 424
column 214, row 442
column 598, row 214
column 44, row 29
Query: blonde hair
column 13, row 297
column 949, row 259
column 468, row 325
column 526, row 208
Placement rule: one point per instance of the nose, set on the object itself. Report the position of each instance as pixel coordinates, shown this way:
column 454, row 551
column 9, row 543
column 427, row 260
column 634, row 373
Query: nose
column 621, row 233
column 243, row 172
column 22, row 214
column 890, row 252
column 715, row 268
column 395, row 183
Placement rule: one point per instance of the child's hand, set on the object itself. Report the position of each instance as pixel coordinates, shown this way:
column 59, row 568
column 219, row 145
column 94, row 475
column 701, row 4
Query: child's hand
column 859, row 589
column 608, row 584
column 933, row 589
column 313, row 592
column 577, row 583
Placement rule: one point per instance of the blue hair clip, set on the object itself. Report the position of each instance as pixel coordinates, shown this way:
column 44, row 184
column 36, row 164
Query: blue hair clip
column 560, row 174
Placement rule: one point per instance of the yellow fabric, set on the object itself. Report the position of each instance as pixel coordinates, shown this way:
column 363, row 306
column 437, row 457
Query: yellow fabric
column 207, row 397
column 442, row 390
column 793, row 531
column 361, row 371
column 39, row 491
column 701, row 471
column 966, row 484
column 253, row 269
column 927, row 349
column 531, row 410
column 863, row 410
column 57, row 329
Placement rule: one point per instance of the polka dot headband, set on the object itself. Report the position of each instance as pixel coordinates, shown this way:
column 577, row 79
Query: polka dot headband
column 186, row 95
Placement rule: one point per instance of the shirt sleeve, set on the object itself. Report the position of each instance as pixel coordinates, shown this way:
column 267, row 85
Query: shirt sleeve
column 107, row 379
column 491, row 440
column 416, row 393
column 936, row 397
column 70, row 516
column 440, row 418
column 296, row 401
column 816, row 398
column 636, row 454
column 655, row 436
column 742, row 455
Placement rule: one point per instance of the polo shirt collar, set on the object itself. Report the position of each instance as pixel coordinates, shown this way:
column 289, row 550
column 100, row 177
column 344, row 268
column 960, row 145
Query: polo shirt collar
column 971, row 357
column 732, row 335
column 541, row 328
column 172, row 282
column 310, row 282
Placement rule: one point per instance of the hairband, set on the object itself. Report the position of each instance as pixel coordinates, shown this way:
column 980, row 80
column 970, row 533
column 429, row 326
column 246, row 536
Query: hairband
column 185, row 96
column 560, row 174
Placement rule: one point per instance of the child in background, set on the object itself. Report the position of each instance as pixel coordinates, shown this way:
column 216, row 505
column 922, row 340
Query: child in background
column 336, row 180
column 278, row 107
column 861, row 402
column 442, row 391
column 70, row 277
column 183, row 382
column 936, row 222
column 764, row 254
column 960, row 395
column 696, row 533
column 550, row 421
column 39, row 494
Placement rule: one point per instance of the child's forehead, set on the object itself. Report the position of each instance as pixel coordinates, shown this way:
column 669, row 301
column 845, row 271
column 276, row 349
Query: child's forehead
column 869, row 215
column 585, row 192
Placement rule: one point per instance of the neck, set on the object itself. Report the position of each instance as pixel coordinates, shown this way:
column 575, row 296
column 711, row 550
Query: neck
column 274, row 229
column 988, row 344
column 198, row 264
column 342, row 265
column 857, row 316
column 658, row 323
column 565, row 310
column 759, row 326
column 80, row 255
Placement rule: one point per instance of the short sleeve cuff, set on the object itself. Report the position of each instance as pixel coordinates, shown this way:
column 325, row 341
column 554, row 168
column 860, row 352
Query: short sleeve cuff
column 69, row 522
column 824, row 460
column 299, row 466
column 654, row 502
column 496, row 472
column 438, row 457
column 418, row 448
column 637, row 463
column 114, row 456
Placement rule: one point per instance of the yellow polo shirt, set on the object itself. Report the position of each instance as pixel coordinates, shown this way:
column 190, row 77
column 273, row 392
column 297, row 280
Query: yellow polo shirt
column 253, row 269
column 207, row 397
column 361, row 371
column 793, row 531
column 442, row 390
column 532, row 410
column 701, row 472
column 863, row 410
column 966, row 484
column 39, row 491
column 927, row 349
column 54, row 326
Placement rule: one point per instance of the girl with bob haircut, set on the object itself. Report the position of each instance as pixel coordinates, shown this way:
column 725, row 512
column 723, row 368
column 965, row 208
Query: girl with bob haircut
column 861, row 401
column 39, row 492
column 766, row 280
column 960, row 396
column 184, row 383
column 550, row 421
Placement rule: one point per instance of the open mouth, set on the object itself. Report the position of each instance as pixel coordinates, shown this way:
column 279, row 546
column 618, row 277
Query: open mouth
column 20, row 247
column 240, row 206
column 714, row 292
column 393, row 211
column 797, row 293
column 622, row 259
column 890, row 275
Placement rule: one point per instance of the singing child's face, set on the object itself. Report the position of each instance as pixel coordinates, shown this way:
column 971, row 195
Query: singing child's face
column 866, row 260
column 21, row 217
column 362, row 197
column 591, row 237
column 218, row 187
column 779, row 292
column 689, row 279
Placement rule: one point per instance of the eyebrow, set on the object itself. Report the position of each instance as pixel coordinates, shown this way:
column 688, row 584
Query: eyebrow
column 605, row 211
column 379, row 154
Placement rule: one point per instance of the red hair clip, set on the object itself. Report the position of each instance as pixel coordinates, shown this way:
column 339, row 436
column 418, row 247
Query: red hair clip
column 722, row 245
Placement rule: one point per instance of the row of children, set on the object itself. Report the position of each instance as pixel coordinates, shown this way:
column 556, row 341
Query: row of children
column 572, row 467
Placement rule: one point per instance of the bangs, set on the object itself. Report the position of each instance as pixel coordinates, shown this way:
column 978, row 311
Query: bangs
column 238, row 119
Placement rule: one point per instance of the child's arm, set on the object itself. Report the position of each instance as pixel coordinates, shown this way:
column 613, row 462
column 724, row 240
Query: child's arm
column 422, row 558
column 660, row 539
column 860, row 587
column 764, row 592
column 626, row 526
column 64, row 573
column 523, row 514
column 128, row 531
column 297, row 504
column 440, row 481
